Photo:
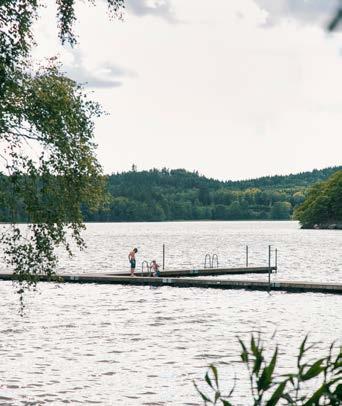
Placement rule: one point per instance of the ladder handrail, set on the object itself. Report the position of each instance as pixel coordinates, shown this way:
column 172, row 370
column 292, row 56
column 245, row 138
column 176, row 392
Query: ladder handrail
column 148, row 267
column 210, row 261
column 215, row 256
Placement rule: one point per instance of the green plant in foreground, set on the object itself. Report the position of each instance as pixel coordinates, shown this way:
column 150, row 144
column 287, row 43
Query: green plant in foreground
column 268, row 388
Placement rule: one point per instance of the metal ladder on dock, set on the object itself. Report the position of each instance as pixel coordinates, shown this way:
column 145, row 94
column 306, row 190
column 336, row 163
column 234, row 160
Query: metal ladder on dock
column 211, row 259
column 147, row 266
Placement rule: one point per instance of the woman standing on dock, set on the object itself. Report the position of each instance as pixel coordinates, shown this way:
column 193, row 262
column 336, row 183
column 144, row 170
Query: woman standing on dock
column 132, row 260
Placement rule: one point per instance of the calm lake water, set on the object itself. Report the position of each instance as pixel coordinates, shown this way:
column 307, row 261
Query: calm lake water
column 136, row 345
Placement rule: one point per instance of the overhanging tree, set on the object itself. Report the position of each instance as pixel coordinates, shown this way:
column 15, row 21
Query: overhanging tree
column 46, row 143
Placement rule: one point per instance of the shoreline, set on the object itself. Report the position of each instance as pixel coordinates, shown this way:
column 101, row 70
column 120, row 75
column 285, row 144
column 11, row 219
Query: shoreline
column 325, row 226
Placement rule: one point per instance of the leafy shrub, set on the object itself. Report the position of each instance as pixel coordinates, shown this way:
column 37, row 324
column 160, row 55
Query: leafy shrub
column 268, row 388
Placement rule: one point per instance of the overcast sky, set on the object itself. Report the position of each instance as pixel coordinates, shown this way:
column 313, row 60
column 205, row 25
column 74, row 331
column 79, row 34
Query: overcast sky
column 232, row 88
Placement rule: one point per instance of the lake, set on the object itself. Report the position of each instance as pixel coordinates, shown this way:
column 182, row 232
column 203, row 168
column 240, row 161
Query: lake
column 137, row 345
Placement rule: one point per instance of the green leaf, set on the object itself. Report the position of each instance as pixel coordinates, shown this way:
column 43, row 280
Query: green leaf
column 267, row 374
column 313, row 371
column 253, row 346
column 338, row 392
column 314, row 400
column 214, row 370
column 203, row 396
column 244, row 354
column 226, row 403
column 257, row 364
column 302, row 348
column 208, row 380
column 276, row 394
column 273, row 362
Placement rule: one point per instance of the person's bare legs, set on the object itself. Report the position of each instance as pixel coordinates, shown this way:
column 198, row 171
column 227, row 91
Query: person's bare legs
column 132, row 271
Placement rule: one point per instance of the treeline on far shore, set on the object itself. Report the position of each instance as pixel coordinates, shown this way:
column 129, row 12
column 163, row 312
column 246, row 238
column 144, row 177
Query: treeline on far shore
column 166, row 195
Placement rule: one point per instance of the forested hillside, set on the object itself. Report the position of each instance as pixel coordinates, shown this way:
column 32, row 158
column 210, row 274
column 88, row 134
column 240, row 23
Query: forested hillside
column 159, row 195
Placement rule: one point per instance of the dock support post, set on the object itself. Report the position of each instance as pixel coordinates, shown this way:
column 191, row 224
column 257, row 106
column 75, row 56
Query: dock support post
column 246, row 256
column 163, row 256
column 276, row 260
column 269, row 267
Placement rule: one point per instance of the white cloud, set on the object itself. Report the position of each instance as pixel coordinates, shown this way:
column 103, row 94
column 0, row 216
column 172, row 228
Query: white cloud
column 158, row 8
column 99, row 75
column 304, row 11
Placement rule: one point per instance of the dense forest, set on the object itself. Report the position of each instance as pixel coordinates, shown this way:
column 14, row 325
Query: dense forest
column 322, row 207
column 160, row 195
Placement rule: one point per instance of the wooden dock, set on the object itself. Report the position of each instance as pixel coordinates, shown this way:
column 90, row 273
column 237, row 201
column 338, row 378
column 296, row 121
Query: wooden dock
column 287, row 286
column 208, row 271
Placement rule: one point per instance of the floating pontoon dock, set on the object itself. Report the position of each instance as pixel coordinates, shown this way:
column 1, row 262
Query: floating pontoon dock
column 208, row 271
column 288, row 286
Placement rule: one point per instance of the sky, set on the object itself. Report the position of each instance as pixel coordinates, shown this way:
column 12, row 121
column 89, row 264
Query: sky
column 234, row 89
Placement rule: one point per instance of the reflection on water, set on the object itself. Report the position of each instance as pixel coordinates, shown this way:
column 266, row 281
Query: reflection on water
column 134, row 345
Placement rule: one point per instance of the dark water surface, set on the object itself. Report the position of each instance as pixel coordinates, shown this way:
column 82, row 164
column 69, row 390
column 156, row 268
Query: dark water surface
column 135, row 345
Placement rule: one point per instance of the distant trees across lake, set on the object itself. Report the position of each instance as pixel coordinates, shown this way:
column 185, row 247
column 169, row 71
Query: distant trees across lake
column 166, row 195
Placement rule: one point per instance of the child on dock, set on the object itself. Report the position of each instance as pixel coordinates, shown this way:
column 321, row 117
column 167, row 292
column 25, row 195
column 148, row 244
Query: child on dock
column 155, row 268
column 132, row 260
